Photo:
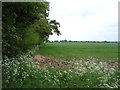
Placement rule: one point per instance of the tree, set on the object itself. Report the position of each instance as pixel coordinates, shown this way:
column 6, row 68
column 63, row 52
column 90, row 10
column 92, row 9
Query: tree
column 25, row 24
column 54, row 26
column 65, row 40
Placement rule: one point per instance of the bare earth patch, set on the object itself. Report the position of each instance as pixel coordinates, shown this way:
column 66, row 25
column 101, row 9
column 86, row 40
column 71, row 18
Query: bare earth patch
column 47, row 62
column 114, row 64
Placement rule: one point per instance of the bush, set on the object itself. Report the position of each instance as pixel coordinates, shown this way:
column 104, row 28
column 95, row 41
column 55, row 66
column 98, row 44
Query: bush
column 30, row 39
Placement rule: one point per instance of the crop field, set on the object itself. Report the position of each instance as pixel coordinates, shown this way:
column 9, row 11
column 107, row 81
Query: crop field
column 64, row 65
column 34, row 56
column 70, row 50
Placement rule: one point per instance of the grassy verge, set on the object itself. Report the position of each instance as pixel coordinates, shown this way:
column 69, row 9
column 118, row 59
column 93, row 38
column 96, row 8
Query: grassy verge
column 22, row 73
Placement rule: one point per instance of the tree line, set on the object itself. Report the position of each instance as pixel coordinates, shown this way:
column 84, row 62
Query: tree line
column 83, row 41
column 25, row 25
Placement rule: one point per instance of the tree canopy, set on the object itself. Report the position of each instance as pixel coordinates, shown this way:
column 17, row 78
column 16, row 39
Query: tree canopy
column 24, row 25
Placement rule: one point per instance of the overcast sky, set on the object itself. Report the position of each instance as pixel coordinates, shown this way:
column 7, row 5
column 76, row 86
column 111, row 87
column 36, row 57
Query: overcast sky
column 91, row 20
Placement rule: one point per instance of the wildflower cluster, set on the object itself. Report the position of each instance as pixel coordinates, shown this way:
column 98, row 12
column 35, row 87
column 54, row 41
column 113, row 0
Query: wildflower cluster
column 108, row 74
column 22, row 73
column 16, row 70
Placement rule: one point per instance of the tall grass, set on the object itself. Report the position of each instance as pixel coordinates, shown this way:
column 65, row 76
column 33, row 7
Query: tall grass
column 22, row 73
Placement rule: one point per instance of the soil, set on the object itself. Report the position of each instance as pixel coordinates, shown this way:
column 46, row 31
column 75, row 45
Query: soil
column 47, row 62
column 115, row 64
column 58, row 64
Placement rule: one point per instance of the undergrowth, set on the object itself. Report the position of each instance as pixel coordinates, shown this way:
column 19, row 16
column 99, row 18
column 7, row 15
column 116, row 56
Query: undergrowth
column 22, row 73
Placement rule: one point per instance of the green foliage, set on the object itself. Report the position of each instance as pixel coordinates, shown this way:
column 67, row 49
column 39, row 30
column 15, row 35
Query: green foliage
column 30, row 39
column 25, row 24
column 43, row 28
column 21, row 72
column 54, row 25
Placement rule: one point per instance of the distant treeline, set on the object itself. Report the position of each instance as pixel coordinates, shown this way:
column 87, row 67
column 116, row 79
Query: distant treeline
column 85, row 41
